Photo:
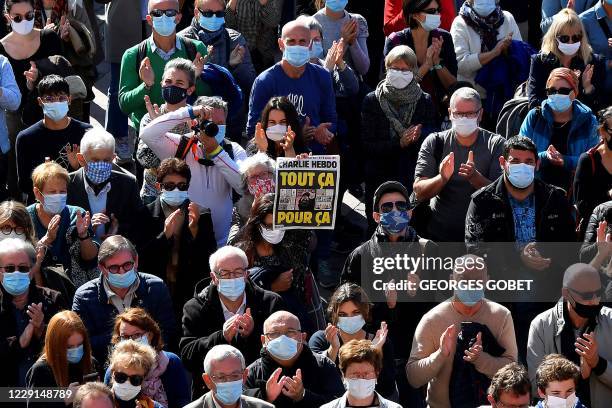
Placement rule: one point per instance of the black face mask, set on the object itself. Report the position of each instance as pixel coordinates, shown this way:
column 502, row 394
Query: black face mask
column 173, row 94
column 586, row 311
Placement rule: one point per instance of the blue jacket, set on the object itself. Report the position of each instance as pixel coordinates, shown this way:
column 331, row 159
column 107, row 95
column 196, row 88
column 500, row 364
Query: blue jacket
column 552, row 7
column 174, row 380
column 582, row 135
column 98, row 313
column 597, row 38
column 9, row 101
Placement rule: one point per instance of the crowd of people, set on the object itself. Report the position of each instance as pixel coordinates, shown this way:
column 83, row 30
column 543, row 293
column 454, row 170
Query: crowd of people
column 140, row 265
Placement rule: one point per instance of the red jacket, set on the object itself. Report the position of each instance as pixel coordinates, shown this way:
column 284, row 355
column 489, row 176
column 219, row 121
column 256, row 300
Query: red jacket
column 395, row 21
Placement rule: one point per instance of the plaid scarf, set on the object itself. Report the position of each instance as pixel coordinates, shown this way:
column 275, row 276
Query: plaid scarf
column 486, row 27
column 398, row 105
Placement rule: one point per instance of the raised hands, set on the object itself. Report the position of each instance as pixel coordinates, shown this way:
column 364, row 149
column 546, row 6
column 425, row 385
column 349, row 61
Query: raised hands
column 447, row 167
column 152, row 108
column 381, row 336
column 146, row 73
column 237, row 56
column 64, row 28
column 410, row 136
column 261, row 141
column 448, row 341
column 532, row 258
column 554, row 156
column 294, row 387
column 193, row 212
column 82, row 223
column 71, row 155
column 348, row 32
column 31, row 76
column 475, row 350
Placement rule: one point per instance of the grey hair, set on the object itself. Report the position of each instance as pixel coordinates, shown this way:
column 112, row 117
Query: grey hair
column 256, row 160
column 466, row 94
column 113, row 245
column 10, row 246
column 184, row 65
column 97, row 138
column 92, row 391
column 225, row 251
column 212, row 102
column 221, row 352
column 404, row 53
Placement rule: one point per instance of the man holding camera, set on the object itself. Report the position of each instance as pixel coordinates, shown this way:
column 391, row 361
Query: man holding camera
column 213, row 159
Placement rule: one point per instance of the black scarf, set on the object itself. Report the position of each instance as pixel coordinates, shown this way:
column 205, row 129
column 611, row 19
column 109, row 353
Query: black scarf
column 486, row 27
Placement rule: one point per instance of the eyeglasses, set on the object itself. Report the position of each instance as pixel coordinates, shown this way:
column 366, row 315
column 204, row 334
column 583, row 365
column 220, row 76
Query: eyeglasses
column 29, row 16
column 7, row 229
column 51, row 99
column 225, row 378
column 566, row 39
column 292, row 333
column 18, row 268
column 388, row 206
column 236, row 273
column 465, row 115
column 366, row 375
column 159, row 13
column 255, row 177
column 125, row 266
column 560, row 91
column 134, row 336
column 588, row 295
column 120, row 378
column 210, row 13
column 169, row 186
column 431, row 11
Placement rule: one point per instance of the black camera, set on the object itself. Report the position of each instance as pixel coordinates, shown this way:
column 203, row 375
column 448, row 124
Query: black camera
column 207, row 128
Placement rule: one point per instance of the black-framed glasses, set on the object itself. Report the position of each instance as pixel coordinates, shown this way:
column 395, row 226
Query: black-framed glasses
column 559, row 91
column 16, row 268
column 126, row 266
column 18, row 18
column 169, row 186
column 291, row 333
column 7, row 229
column 466, row 115
column 225, row 378
column 567, row 39
column 588, row 295
column 120, row 378
column 236, row 273
column 210, row 13
column 159, row 13
column 431, row 11
column 388, row 206
column 51, row 99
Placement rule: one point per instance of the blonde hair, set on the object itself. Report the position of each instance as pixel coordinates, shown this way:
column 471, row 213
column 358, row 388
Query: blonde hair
column 566, row 18
column 48, row 171
column 130, row 353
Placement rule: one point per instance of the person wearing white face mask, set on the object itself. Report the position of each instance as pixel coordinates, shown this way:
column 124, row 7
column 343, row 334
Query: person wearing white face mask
column 227, row 309
column 350, row 310
column 562, row 128
column 289, row 373
column 396, row 117
column 436, row 59
column 454, row 164
column 557, row 380
column 567, row 45
column 360, row 363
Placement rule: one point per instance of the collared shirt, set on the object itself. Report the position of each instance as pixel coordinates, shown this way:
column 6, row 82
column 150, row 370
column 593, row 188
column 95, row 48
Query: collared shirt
column 97, row 203
column 163, row 54
column 115, row 300
column 227, row 314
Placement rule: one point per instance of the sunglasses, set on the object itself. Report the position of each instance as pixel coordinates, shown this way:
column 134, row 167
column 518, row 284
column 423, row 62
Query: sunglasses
column 431, row 11
column 560, row 91
column 210, row 13
column 125, row 266
column 29, row 16
column 588, row 295
column 388, row 206
column 566, row 39
column 120, row 378
column 159, row 13
column 18, row 268
column 169, row 186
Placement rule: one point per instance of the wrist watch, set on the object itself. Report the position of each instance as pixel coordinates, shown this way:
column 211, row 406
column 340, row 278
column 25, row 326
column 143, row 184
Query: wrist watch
column 436, row 67
column 87, row 236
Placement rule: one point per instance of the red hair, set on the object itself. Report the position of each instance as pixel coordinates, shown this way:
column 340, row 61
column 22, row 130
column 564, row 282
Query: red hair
column 567, row 75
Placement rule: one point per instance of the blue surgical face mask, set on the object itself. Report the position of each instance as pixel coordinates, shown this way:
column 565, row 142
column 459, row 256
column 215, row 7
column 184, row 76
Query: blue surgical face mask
column 229, row 392
column 175, row 197
column 336, row 5
column 521, row 175
column 16, row 283
column 316, row 50
column 559, row 103
column 213, row 23
column 283, row 347
column 54, row 203
column 164, row 25
column 352, row 324
column 55, row 111
column 232, row 288
column 394, row 221
column 469, row 297
column 221, row 135
column 98, row 172
column 484, row 7
column 75, row 354
column 296, row 55
column 122, row 280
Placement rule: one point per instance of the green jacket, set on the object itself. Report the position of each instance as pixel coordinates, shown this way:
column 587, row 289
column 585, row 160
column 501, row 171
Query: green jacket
column 132, row 90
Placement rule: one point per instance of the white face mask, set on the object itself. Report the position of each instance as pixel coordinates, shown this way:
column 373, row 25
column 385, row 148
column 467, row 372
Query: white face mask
column 24, row 27
column 276, row 133
column 558, row 402
column 399, row 79
column 360, row 388
column 464, row 127
column 568, row 49
column 271, row 236
column 126, row 391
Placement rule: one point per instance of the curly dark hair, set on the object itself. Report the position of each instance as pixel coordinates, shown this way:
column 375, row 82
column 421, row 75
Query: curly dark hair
column 283, row 104
column 249, row 235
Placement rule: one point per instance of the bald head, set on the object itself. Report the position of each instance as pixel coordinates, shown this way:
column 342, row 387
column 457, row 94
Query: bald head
column 581, row 277
column 164, row 5
column 295, row 29
column 281, row 321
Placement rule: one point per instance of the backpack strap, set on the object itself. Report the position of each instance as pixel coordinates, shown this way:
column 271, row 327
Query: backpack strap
column 438, row 147
column 190, row 48
column 184, row 146
column 604, row 26
column 142, row 53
